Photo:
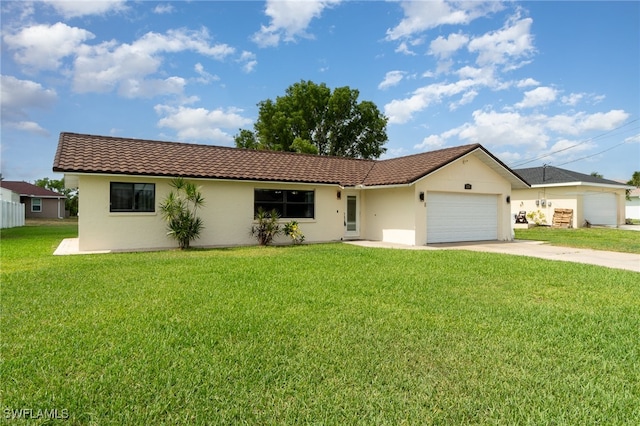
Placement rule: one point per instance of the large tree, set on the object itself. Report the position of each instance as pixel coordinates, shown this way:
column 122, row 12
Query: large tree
column 57, row 185
column 311, row 118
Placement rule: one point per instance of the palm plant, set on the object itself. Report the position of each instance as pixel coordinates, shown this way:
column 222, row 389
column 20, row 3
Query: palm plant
column 267, row 226
column 179, row 211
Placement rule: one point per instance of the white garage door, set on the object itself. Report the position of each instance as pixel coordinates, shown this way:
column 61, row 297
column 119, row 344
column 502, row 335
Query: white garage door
column 600, row 208
column 461, row 217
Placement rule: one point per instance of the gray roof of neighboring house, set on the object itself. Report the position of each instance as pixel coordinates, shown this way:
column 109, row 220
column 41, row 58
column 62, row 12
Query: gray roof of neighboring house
column 80, row 153
column 550, row 175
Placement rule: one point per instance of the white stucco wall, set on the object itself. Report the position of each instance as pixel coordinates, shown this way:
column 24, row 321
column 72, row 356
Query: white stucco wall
column 563, row 197
column 452, row 178
column 632, row 208
column 397, row 215
column 390, row 215
column 555, row 198
column 227, row 215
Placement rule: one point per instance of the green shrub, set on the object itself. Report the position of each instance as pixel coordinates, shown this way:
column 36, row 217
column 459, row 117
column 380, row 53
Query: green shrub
column 292, row 230
column 537, row 217
column 267, row 226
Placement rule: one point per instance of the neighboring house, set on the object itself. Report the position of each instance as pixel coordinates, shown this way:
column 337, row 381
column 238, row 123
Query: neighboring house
column 454, row 194
column 592, row 199
column 40, row 203
column 632, row 205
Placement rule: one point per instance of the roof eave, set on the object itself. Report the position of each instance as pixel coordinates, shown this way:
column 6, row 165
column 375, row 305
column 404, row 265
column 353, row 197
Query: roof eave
column 581, row 183
column 196, row 177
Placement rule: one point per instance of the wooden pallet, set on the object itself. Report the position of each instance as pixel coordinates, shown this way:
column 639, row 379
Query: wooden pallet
column 563, row 218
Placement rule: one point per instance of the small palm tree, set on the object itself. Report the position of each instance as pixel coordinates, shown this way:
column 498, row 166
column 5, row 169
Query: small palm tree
column 267, row 226
column 179, row 211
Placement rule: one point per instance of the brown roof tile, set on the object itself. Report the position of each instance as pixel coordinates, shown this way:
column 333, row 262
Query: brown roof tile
column 28, row 189
column 79, row 153
column 408, row 169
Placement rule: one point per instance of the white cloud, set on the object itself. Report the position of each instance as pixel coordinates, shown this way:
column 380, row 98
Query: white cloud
column 602, row 121
column 633, row 139
column 466, row 99
column 420, row 16
column 512, row 42
column 149, row 88
column 445, row 47
column 18, row 97
column 492, row 128
column 289, row 20
column 430, row 142
column 527, row 82
column 572, row 99
column 202, row 124
column 481, row 76
column 73, row 9
column 393, row 153
column 582, row 122
column 402, row 110
column 404, row 49
column 164, row 8
column 566, row 147
column 103, row 67
column 392, row 78
column 248, row 59
column 205, row 77
column 27, row 126
column 537, row 97
column 109, row 65
column 530, row 134
column 508, row 157
column 21, row 94
column 42, row 47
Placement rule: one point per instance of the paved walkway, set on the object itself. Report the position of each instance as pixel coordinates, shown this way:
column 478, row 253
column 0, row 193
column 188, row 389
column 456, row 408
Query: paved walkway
column 538, row 249
column 72, row 246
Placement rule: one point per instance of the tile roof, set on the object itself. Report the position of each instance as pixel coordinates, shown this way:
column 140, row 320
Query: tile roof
column 28, row 189
column 79, row 153
column 555, row 175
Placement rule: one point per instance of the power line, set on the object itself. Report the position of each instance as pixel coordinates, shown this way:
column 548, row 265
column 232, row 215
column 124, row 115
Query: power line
column 578, row 144
column 592, row 155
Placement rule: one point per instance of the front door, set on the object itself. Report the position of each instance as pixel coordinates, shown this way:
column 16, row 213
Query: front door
column 352, row 213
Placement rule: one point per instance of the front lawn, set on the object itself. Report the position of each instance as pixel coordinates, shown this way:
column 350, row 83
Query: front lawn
column 323, row 334
column 610, row 239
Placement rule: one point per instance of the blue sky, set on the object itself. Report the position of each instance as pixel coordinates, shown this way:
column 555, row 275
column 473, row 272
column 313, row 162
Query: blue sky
column 534, row 82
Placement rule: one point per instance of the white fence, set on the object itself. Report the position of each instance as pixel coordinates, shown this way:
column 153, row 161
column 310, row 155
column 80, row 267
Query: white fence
column 11, row 214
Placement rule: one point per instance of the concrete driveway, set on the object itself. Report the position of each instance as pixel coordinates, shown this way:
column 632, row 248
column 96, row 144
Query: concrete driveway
column 628, row 261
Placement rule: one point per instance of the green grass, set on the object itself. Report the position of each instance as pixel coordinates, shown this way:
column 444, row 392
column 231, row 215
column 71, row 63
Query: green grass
column 609, row 239
column 324, row 334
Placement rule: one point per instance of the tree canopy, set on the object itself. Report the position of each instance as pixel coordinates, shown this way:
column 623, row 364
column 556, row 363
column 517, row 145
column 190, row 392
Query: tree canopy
column 311, row 118
column 57, row 185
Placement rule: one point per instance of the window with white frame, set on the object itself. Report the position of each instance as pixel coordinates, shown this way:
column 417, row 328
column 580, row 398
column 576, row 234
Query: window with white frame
column 36, row 205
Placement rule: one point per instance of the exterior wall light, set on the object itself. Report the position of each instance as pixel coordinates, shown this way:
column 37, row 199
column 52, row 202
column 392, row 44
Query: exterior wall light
column 421, row 196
